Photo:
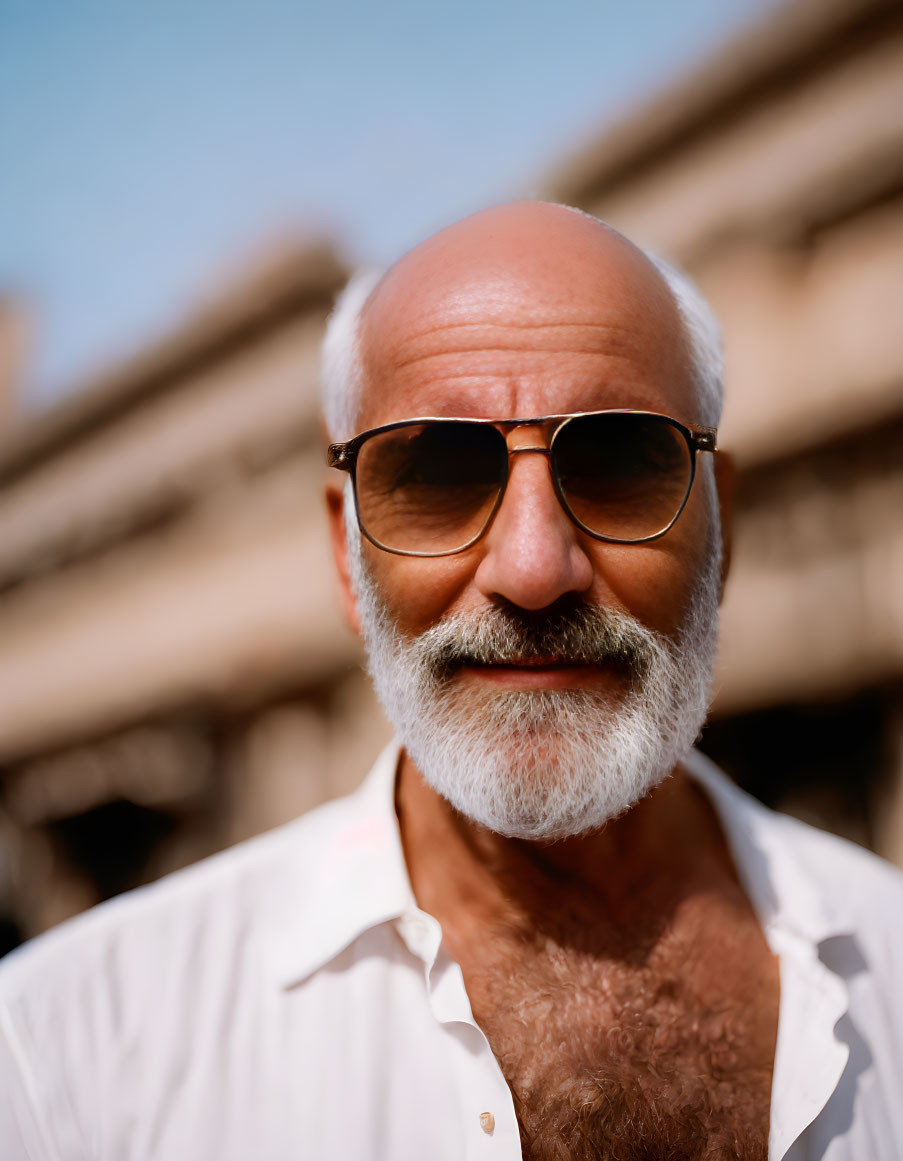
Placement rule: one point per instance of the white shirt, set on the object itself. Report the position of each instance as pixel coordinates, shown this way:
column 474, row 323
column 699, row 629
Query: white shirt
column 288, row 1000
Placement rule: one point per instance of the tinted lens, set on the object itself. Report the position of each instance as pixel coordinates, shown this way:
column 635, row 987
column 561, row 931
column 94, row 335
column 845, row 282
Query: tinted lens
column 623, row 476
column 430, row 487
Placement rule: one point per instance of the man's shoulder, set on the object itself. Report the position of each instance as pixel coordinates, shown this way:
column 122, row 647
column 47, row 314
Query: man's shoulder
column 861, row 881
column 128, row 1023
column 192, row 913
column 849, row 884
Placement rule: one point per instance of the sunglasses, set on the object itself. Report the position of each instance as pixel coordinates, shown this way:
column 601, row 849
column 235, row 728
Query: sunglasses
column 431, row 487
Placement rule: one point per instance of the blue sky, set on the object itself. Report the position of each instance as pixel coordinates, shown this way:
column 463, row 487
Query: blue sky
column 148, row 148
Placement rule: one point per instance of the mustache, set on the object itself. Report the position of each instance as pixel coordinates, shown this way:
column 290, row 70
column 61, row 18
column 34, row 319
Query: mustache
column 576, row 633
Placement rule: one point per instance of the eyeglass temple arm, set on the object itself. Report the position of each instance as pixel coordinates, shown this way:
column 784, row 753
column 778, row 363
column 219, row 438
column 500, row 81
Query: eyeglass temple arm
column 704, row 438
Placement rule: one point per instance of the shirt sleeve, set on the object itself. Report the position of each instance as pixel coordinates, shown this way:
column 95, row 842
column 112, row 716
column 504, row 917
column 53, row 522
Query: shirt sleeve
column 22, row 1129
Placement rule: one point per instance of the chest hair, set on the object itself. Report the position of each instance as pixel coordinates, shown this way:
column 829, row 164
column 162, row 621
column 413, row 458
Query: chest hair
column 650, row 1054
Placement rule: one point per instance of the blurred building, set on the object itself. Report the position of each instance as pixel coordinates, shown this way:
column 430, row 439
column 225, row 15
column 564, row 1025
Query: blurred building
column 174, row 674
column 774, row 175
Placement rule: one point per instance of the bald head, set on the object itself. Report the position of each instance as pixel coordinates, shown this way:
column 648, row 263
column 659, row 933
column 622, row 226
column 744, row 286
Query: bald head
column 525, row 264
column 535, row 256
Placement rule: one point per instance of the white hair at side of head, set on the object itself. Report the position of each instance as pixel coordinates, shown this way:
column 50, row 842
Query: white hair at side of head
column 703, row 333
column 342, row 367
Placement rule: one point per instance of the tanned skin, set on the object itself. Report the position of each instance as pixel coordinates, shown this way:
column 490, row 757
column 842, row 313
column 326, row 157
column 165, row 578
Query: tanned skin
column 621, row 977
column 622, row 980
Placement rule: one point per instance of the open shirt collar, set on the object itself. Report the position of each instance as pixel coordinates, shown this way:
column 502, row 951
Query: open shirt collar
column 355, row 856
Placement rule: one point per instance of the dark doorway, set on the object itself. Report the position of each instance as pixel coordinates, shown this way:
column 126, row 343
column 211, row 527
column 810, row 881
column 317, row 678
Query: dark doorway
column 112, row 844
column 819, row 761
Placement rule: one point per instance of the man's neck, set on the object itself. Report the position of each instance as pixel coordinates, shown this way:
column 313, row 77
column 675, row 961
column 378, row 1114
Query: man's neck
column 638, row 866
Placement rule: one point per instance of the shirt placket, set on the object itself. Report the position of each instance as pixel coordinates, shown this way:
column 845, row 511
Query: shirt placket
column 810, row 1059
column 489, row 1130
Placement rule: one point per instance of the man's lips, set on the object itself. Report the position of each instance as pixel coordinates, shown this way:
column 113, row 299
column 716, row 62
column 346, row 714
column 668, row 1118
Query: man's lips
column 543, row 673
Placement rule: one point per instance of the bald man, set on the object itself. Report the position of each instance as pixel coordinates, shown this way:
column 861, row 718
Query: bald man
column 545, row 927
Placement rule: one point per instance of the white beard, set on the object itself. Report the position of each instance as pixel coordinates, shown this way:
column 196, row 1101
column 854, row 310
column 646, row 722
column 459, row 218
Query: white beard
column 542, row 764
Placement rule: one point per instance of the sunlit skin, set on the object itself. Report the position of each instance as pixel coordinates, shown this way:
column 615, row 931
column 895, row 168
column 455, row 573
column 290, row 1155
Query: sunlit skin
column 520, row 311
column 497, row 318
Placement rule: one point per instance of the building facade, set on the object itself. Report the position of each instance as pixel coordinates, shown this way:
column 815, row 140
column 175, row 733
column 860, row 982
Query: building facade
column 174, row 671
column 175, row 674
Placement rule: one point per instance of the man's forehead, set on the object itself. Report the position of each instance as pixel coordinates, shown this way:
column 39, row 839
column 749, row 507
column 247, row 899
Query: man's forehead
column 528, row 279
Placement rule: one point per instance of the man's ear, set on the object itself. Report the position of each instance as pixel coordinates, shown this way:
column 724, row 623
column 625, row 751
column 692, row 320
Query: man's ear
column 335, row 506
column 725, row 484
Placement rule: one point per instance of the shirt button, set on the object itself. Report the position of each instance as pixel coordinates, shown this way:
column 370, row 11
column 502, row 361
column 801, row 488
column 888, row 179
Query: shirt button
column 487, row 1122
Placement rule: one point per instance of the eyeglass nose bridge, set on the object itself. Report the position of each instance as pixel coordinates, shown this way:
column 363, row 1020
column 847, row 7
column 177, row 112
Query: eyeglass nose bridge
column 529, row 449
column 545, row 428
column 542, row 449
column 522, row 451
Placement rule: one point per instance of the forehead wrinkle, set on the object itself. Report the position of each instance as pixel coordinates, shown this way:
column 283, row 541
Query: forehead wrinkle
column 591, row 352
column 620, row 368
column 461, row 338
column 494, row 375
column 511, row 324
column 464, row 393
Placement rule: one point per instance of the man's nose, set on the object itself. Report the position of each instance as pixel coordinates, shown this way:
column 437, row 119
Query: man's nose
column 533, row 552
